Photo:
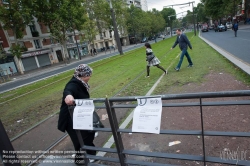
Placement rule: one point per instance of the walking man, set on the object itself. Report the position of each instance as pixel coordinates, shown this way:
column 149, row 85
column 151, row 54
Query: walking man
column 235, row 28
column 183, row 42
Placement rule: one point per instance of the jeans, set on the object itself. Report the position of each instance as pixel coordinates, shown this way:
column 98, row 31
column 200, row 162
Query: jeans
column 184, row 52
column 235, row 33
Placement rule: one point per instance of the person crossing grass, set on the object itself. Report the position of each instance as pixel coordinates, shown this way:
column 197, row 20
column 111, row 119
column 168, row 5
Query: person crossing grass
column 152, row 59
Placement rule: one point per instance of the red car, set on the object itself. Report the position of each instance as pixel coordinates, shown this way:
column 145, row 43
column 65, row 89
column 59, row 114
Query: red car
column 204, row 28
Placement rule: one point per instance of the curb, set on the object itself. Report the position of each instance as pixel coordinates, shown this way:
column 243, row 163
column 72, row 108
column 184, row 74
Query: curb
column 236, row 61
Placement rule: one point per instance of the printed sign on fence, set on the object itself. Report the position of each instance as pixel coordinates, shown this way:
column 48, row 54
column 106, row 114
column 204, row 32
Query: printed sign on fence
column 83, row 115
column 147, row 116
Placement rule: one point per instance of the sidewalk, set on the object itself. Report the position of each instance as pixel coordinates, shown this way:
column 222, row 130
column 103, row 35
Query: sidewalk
column 232, row 58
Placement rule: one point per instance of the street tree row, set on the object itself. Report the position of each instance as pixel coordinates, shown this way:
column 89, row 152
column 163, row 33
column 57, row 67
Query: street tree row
column 88, row 17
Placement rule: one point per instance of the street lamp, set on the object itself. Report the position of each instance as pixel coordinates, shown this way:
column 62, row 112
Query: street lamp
column 117, row 38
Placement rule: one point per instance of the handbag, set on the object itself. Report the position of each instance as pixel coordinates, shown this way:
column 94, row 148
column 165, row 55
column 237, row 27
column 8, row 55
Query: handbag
column 150, row 57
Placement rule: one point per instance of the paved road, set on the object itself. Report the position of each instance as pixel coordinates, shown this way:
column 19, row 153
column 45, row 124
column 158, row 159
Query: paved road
column 238, row 46
column 41, row 74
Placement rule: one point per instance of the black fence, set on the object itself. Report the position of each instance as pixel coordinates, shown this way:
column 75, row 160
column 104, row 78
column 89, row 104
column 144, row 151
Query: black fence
column 114, row 103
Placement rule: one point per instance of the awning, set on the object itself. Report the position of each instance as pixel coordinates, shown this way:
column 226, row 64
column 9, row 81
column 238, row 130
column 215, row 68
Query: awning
column 34, row 53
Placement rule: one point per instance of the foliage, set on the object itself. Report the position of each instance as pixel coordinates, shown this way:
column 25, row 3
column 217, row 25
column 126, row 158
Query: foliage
column 168, row 12
column 16, row 50
column 62, row 16
column 16, row 15
column 146, row 23
column 220, row 8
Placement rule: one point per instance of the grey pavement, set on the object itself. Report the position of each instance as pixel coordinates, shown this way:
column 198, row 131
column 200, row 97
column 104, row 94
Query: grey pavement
column 235, row 49
column 45, row 72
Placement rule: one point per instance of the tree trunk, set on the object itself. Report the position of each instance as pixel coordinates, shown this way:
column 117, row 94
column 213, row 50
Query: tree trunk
column 65, row 53
column 17, row 59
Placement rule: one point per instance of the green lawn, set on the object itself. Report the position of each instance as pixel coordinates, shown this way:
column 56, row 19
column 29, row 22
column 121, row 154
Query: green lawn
column 109, row 77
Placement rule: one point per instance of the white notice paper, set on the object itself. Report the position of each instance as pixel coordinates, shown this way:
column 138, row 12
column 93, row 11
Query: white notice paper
column 83, row 115
column 147, row 116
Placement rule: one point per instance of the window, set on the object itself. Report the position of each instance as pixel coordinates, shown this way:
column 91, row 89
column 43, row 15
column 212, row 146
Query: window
column 1, row 47
column 104, row 34
column 33, row 28
column 37, row 44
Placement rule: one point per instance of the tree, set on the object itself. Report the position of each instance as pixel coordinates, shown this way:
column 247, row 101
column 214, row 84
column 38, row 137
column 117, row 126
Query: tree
column 220, row 8
column 168, row 12
column 62, row 16
column 15, row 16
column 157, row 21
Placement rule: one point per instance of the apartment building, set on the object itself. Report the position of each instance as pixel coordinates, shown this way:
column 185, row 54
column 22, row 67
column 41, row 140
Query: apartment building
column 39, row 49
column 144, row 5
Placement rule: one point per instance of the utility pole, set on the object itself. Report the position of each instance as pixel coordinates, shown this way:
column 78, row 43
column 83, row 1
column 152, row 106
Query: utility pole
column 170, row 24
column 78, row 50
column 117, row 38
column 193, row 18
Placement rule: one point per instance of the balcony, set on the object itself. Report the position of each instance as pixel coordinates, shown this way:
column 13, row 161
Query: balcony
column 35, row 34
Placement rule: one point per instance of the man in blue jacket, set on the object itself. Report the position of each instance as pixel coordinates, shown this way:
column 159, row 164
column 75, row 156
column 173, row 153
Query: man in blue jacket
column 183, row 42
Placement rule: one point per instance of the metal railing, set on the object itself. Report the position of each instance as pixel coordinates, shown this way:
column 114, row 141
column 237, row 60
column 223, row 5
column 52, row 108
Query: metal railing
column 122, row 152
column 113, row 104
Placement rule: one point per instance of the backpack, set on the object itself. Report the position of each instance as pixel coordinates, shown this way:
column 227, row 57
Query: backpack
column 235, row 26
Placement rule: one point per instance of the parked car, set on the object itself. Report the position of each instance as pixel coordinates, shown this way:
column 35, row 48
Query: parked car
column 211, row 27
column 220, row 28
column 204, row 28
column 229, row 25
column 144, row 40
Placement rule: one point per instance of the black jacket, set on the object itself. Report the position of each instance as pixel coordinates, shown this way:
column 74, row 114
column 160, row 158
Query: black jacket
column 183, row 42
column 75, row 88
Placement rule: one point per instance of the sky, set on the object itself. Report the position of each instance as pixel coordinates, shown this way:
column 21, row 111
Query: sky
column 158, row 4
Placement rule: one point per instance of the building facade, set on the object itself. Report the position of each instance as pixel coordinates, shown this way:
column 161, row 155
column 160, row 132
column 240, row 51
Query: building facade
column 144, row 5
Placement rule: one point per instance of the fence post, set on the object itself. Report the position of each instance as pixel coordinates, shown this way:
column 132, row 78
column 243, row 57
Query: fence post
column 6, row 149
column 202, row 134
column 117, row 137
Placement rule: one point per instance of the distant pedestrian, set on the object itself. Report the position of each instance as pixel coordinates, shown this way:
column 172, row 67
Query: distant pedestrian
column 235, row 28
column 11, row 70
column 183, row 42
column 155, row 39
column 114, row 47
column 152, row 62
column 95, row 52
column 91, row 52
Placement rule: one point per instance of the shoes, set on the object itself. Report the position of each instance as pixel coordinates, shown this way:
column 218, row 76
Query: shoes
column 165, row 72
column 146, row 76
column 190, row 66
column 177, row 69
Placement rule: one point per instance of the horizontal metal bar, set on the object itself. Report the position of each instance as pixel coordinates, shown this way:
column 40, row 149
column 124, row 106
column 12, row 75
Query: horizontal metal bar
column 137, row 162
column 100, row 107
column 102, row 129
column 110, row 150
column 110, row 159
column 230, row 134
column 164, row 155
column 196, row 132
column 189, row 95
column 191, row 104
column 228, row 161
column 169, row 132
column 94, row 164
